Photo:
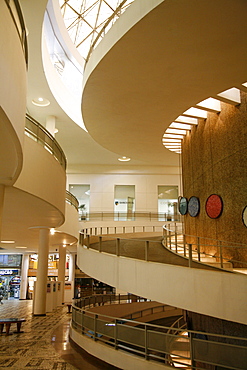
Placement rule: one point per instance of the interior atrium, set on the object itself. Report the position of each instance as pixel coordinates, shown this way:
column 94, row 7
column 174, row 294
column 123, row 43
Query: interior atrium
column 123, row 183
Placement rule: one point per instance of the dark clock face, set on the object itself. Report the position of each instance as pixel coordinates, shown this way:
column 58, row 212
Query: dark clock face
column 214, row 206
column 183, row 205
column 193, row 206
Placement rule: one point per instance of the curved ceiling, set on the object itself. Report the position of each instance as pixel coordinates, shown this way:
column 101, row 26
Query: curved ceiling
column 177, row 55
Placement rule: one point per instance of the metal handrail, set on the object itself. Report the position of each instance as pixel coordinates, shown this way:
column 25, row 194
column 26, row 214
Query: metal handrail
column 153, row 342
column 38, row 133
column 195, row 247
column 129, row 216
column 16, row 14
column 87, row 302
column 71, row 199
column 109, row 230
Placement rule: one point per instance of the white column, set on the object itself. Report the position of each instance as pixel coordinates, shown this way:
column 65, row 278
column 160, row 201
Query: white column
column 72, row 271
column 42, row 270
column 51, row 124
column 61, row 268
column 24, row 272
column 2, row 190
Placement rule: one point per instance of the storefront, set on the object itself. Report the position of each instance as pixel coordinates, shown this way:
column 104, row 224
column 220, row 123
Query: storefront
column 53, row 263
column 10, row 272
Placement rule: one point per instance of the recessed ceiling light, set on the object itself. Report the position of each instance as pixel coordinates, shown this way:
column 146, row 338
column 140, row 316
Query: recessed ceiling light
column 124, row 159
column 52, row 231
column 7, row 241
column 21, row 247
column 41, row 102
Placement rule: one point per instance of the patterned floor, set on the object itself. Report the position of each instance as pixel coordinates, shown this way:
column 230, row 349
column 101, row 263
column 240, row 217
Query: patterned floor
column 33, row 348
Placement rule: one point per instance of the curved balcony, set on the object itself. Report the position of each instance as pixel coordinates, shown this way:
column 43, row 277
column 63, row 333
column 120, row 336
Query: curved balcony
column 136, row 262
column 16, row 14
column 13, row 90
column 38, row 133
column 164, row 346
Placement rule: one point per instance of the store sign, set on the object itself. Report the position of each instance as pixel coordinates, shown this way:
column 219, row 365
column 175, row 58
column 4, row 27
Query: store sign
column 8, row 272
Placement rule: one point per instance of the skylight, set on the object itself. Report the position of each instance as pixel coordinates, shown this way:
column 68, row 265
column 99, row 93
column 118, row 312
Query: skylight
column 87, row 21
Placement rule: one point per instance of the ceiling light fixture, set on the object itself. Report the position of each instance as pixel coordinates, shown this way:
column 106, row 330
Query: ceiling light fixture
column 124, row 159
column 41, row 102
column 7, row 241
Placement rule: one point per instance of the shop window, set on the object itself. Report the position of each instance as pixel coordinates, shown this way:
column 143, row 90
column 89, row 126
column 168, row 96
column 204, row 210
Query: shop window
column 167, row 202
column 124, row 202
column 82, row 193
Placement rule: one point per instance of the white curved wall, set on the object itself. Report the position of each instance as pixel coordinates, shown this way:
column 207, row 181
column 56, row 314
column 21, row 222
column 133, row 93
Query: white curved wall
column 217, row 294
column 138, row 10
column 71, row 224
column 42, row 175
column 12, row 96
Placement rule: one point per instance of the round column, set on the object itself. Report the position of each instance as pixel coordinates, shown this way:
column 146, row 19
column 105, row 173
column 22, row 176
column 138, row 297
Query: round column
column 2, row 189
column 61, row 268
column 24, row 272
column 72, row 271
column 39, row 303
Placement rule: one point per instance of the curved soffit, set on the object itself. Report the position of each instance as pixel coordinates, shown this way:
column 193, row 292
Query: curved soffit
column 179, row 54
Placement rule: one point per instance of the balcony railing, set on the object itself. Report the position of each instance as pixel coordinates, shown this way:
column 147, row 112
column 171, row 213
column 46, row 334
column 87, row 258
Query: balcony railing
column 128, row 216
column 38, row 133
column 224, row 254
column 16, row 14
column 72, row 200
column 171, row 346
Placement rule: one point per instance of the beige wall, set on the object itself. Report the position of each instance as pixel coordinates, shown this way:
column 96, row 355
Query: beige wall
column 214, row 162
column 146, row 186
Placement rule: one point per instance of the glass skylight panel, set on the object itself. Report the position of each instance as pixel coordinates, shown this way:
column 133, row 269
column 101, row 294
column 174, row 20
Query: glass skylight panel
column 87, row 21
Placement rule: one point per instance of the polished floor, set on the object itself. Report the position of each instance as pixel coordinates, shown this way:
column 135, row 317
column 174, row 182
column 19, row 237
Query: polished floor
column 44, row 342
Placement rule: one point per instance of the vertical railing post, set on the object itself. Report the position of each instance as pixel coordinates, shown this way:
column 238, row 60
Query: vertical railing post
column 192, row 352
column 95, row 327
column 118, row 247
column 221, row 256
column 100, row 243
column 190, row 254
column 146, row 343
column 82, row 322
column 116, row 341
column 170, row 238
column 198, row 248
column 176, row 238
column 88, row 241
column 146, row 250
column 184, row 242
column 165, row 235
